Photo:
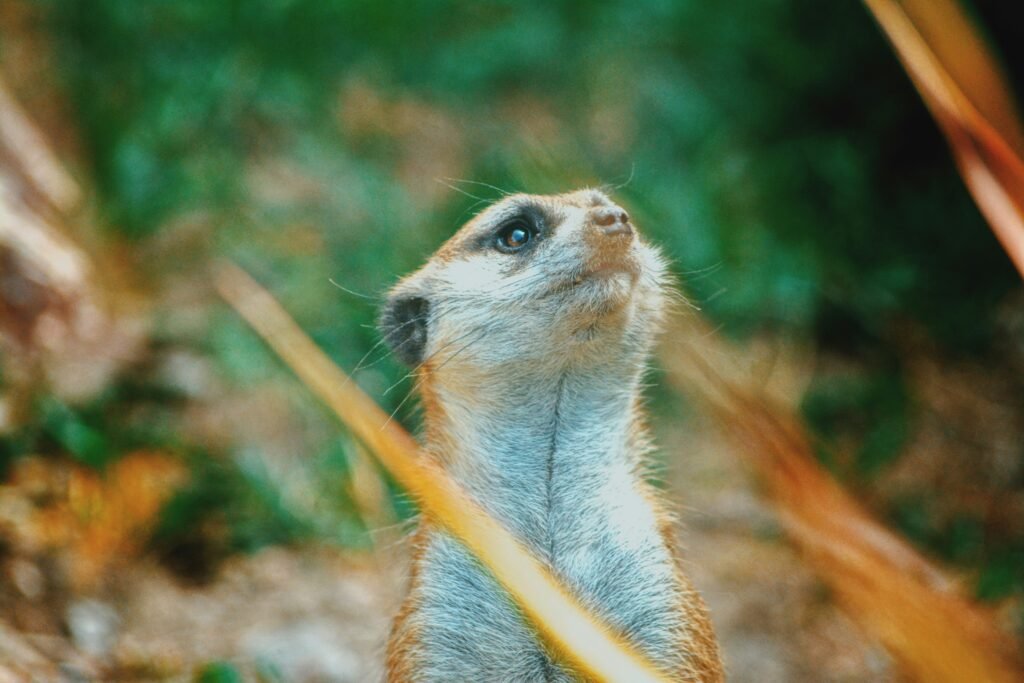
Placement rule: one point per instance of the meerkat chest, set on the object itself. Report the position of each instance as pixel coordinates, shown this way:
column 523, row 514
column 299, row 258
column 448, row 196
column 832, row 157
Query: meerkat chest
column 564, row 485
column 612, row 559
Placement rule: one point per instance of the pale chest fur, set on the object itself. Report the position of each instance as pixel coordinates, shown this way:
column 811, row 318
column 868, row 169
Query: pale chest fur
column 555, row 460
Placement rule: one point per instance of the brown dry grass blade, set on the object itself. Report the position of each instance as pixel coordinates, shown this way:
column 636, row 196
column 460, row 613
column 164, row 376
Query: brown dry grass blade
column 893, row 592
column 564, row 623
column 28, row 149
column 62, row 318
column 960, row 82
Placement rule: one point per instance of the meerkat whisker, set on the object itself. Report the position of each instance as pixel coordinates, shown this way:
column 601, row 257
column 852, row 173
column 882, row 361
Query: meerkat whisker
column 349, row 291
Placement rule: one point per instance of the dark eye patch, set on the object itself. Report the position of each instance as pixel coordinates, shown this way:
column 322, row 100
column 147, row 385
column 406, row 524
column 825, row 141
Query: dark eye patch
column 517, row 232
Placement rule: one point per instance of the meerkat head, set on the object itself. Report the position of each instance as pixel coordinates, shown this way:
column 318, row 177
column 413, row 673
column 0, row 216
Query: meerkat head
column 531, row 279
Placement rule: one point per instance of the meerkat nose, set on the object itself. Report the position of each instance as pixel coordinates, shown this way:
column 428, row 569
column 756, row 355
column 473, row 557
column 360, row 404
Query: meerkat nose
column 612, row 219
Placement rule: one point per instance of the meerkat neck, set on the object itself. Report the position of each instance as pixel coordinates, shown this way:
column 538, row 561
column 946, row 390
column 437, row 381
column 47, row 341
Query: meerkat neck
column 539, row 449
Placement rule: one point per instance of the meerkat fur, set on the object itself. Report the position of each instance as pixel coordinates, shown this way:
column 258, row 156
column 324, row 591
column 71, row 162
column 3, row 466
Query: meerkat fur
column 529, row 331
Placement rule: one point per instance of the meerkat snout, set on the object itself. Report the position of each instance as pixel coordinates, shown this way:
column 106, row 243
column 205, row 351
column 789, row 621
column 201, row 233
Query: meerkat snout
column 612, row 220
column 609, row 235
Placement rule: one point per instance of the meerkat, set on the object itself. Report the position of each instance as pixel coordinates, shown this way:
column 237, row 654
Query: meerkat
column 529, row 332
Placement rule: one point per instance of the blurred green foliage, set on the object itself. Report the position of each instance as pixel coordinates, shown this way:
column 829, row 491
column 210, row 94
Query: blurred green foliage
column 774, row 147
column 871, row 409
column 755, row 137
column 219, row 672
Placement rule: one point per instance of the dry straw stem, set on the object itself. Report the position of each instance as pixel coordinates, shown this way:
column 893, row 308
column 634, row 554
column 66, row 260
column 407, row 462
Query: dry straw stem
column 961, row 84
column 578, row 635
column 894, row 593
column 27, row 148
column 29, row 167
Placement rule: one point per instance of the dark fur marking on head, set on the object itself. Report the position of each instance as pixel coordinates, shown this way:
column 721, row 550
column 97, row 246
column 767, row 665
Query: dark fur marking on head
column 528, row 213
column 403, row 322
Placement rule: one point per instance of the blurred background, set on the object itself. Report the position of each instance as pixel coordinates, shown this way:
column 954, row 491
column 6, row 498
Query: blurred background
column 173, row 504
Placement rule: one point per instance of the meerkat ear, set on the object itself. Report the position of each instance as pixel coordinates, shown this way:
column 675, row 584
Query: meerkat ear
column 403, row 323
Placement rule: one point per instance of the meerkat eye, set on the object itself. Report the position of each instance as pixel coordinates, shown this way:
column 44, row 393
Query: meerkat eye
column 514, row 235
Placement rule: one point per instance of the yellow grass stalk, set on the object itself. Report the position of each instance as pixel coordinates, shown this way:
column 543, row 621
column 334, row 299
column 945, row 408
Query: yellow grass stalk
column 910, row 605
column 960, row 83
column 578, row 635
